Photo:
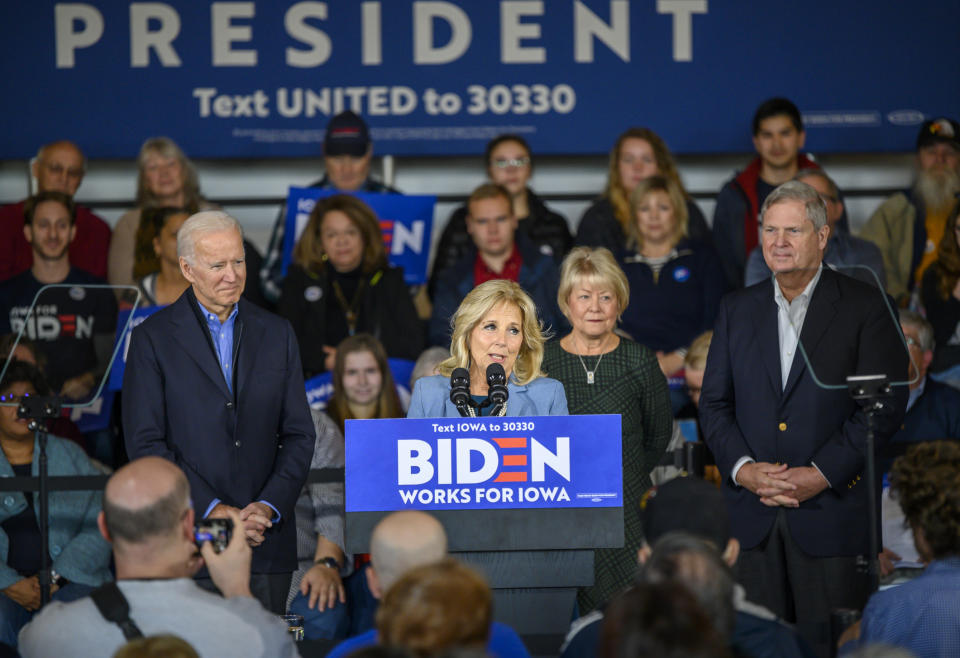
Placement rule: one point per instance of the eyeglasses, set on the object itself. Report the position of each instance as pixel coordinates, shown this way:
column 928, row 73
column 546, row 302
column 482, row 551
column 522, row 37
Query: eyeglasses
column 10, row 397
column 58, row 170
column 503, row 163
column 911, row 342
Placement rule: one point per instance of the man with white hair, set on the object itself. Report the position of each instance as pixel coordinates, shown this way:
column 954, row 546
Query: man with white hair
column 791, row 452
column 213, row 383
column 908, row 226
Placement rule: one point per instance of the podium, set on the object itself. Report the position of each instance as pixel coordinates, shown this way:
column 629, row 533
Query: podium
column 533, row 553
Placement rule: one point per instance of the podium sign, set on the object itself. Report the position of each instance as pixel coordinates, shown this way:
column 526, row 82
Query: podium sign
column 489, row 463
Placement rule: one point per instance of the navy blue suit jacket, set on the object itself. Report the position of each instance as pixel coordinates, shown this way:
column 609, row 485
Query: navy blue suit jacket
column 745, row 411
column 254, row 444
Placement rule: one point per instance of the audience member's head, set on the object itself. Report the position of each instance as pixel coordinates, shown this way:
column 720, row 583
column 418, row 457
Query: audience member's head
column 689, row 505
column 59, row 167
column 50, row 225
column 157, row 646
column 682, row 558
column 148, row 518
column 165, row 176
column 400, row 542
column 938, row 163
column 436, row 607
column 926, row 482
column 638, row 154
column 508, row 162
column 428, row 363
column 347, row 151
column 490, row 220
column 363, row 385
column 778, row 133
column 25, row 350
column 920, row 344
column 213, row 238
column 658, row 619
column 829, row 192
column 344, row 233
column 694, row 365
column 947, row 266
column 20, row 380
column 156, row 240
column 659, row 213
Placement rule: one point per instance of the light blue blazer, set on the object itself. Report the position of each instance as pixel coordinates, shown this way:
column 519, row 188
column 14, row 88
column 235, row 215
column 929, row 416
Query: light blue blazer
column 541, row 397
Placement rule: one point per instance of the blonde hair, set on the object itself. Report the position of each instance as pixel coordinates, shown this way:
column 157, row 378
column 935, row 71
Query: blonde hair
column 594, row 265
column 616, row 192
column 471, row 312
column 643, row 189
column 167, row 148
column 696, row 358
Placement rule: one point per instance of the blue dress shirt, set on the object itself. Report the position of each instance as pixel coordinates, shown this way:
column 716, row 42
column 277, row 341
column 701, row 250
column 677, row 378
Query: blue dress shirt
column 222, row 334
column 922, row 615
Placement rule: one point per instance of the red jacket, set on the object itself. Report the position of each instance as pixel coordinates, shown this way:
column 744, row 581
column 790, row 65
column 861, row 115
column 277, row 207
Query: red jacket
column 746, row 181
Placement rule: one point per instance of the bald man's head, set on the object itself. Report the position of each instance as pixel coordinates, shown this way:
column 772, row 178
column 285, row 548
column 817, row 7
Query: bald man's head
column 404, row 540
column 146, row 498
column 59, row 167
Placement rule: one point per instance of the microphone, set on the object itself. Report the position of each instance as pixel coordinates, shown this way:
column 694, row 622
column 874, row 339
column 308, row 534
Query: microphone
column 460, row 390
column 497, row 391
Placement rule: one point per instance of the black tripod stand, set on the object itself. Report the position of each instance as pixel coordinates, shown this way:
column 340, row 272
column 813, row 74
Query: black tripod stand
column 38, row 410
column 873, row 392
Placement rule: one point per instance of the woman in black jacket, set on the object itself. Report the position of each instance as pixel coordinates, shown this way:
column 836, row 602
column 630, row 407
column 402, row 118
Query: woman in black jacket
column 340, row 284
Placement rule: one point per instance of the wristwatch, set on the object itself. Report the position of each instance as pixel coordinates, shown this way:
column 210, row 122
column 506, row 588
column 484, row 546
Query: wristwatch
column 329, row 562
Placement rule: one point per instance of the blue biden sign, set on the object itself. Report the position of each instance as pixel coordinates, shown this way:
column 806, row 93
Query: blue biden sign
column 483, row 463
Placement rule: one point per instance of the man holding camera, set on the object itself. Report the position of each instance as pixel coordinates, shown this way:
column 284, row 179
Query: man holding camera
column 148, row 520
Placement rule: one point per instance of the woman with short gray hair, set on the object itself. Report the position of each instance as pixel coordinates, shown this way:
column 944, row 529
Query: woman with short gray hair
column 603, row 373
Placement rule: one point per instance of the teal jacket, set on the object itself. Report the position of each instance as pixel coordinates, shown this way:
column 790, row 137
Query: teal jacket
column 79, row 552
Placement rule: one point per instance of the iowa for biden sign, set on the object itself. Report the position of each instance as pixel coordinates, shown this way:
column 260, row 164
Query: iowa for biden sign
column 483, row 463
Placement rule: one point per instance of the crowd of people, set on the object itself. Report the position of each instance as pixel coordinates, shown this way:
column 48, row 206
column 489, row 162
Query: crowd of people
column 750, row 325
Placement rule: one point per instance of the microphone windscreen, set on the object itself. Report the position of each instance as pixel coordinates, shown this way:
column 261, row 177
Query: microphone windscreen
column 496, row 373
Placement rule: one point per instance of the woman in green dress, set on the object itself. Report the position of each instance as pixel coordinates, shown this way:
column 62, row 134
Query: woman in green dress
column 603, row 373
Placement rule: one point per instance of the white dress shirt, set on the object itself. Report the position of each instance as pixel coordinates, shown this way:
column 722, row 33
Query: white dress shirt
column 790, row 317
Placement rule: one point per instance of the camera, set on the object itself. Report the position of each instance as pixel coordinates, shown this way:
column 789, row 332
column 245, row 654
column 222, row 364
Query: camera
column 215, row 531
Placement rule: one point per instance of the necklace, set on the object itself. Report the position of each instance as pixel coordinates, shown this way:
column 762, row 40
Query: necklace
column 591, row 378
column 349, row 310
column 473, row 412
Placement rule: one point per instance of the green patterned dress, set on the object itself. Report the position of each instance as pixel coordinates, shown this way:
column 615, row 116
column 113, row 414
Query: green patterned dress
column 628, row 382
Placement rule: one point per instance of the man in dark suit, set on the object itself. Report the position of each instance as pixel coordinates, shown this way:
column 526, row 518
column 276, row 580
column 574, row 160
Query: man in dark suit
column 213, row 383
column 791, row 453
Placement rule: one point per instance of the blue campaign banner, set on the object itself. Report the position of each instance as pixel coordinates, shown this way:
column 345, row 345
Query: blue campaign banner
column 115, row 383
column 483, row 463
column 406, row 222
column 320, row 388
column 95, row 417
column 261, row 78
